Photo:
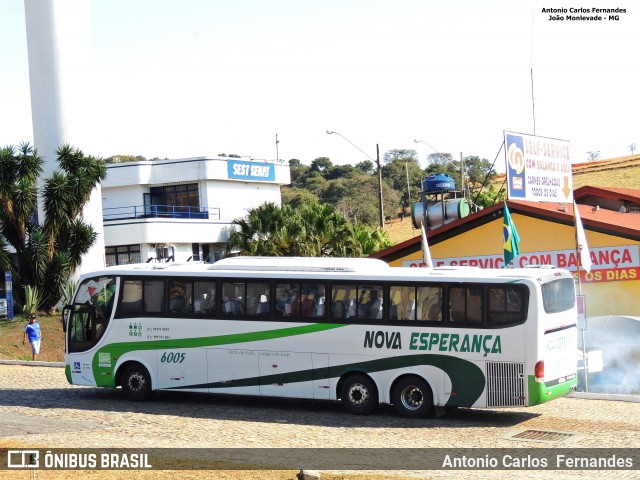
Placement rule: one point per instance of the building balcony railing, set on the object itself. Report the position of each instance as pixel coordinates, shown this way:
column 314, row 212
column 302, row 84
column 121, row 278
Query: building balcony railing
column 160, row 211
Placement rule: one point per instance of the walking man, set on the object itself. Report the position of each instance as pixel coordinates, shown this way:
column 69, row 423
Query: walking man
column 33, row 333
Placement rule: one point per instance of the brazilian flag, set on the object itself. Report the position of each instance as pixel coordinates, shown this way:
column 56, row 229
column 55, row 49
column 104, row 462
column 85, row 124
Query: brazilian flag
column 511, row 238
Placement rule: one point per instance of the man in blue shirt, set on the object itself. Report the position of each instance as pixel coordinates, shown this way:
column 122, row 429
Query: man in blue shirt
column 32, row 332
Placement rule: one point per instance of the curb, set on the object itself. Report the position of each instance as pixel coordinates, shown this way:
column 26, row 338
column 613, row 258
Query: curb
column 605, row 396
column 31, row 363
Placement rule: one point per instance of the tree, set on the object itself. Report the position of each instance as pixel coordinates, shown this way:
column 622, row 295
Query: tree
column 49, row 252
column 490, row 196
column 266, row 230
column 366, row 166
column 298, row 172
column 311, row 230
column 125, row 158
column 403, row 173
column 322, row 165
column 371, row 239
column 295, row 197
column 632, row 147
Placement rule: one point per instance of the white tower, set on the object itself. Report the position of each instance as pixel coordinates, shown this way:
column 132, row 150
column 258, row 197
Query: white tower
column 61, row 74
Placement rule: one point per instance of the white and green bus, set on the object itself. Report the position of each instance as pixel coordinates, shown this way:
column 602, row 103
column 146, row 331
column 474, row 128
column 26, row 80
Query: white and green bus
column 355, row 330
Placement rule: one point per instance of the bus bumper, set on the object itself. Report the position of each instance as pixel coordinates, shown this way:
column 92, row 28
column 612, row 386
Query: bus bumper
column 540, row 392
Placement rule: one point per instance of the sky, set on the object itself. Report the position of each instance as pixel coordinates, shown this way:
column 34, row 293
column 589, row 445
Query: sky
column 176, row 79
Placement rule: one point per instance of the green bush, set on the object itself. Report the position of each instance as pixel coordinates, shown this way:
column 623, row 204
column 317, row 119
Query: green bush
column 32, row 299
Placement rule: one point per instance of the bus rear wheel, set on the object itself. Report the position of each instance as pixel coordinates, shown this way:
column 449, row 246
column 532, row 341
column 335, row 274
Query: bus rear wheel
column 136, row 382
column 359, row 395
column 412, row 397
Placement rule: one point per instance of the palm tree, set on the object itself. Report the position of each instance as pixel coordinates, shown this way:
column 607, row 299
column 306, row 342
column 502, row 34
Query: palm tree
column 371, row 240
column 311, row 230
column 49, row 252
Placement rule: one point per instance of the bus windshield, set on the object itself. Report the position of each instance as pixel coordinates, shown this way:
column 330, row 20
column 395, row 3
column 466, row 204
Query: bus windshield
column 90, row 313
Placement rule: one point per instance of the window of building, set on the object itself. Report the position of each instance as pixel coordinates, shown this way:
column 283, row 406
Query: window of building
column 176, row 200
column 122, row 255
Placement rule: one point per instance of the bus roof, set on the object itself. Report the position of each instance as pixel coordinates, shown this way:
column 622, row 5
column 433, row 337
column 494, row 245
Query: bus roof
column 330, row 268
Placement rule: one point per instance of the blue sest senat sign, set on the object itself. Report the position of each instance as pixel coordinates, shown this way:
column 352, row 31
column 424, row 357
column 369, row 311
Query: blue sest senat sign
column 238, row 170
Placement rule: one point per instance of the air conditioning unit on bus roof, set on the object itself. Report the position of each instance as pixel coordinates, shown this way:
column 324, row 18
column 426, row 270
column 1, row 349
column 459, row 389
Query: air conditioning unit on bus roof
column 299, row 264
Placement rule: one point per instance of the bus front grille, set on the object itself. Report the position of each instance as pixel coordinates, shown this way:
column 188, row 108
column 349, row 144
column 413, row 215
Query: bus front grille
column 505, row 384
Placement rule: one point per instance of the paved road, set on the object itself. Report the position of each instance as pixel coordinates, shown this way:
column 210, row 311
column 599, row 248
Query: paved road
column 38, row 407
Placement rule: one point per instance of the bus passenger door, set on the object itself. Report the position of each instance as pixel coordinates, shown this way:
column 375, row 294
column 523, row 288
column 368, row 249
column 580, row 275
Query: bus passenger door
column 182, row 369
column 233, row 371
column 286, row 374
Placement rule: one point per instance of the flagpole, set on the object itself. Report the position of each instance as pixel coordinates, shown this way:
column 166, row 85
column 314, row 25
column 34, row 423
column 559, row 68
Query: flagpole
column 585, row 358
column 426, row 252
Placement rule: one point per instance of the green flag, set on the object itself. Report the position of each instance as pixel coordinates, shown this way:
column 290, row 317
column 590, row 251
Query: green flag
column 511, row 238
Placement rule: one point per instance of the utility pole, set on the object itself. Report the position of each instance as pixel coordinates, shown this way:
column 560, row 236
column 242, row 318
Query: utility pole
column 380, row 186
column 462, row 174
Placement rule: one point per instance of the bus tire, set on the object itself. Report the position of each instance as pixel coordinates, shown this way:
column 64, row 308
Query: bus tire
column 412, row 397
column 359, row 395
column 136, row 382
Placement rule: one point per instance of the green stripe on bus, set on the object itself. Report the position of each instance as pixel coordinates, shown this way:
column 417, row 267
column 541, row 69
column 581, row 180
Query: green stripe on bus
column 103, row 370
column 467, row 379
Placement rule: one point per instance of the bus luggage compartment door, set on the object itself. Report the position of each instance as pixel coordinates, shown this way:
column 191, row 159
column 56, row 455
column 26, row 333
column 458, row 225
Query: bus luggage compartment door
column 233, row 371
column 286, row 374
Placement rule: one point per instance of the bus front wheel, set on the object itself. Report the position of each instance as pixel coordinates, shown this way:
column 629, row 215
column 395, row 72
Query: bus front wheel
column 412, row 397
column 136, row 382
column 359, row 395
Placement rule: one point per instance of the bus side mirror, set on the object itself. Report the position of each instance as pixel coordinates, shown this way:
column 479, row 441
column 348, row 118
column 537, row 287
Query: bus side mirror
column 66, row 310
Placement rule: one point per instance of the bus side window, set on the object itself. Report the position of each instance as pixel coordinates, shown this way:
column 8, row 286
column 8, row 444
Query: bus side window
column 465, row 305
column 258, row 299
column 430, row 304
column 506, row 305
column 307, row 299
column 180, row 296
column 283, row 299
column 343, row 301
column 153, row 296
column 320, row 307
column 474, row 305
column 403, row 303
column 204, row 298
column 131, row 304
column 233, row 298
column 457, row 304
column 373, row 307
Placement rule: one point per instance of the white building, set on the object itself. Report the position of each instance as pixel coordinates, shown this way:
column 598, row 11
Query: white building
column 182, row 209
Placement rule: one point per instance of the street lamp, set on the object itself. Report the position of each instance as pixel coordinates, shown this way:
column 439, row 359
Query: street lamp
column 432, row 148
column 377, row 160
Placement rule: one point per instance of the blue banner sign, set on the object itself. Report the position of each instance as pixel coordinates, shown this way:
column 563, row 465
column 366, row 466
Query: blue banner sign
column 251, row 171
column 8, row 285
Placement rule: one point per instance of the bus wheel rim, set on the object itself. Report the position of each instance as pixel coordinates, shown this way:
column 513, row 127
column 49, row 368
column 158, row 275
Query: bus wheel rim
column 358, row 394
column 137, row 382
column 412, row 397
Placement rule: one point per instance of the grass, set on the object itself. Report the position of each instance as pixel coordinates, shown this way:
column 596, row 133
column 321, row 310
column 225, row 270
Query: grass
column 400, row 230
column 52, row 345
